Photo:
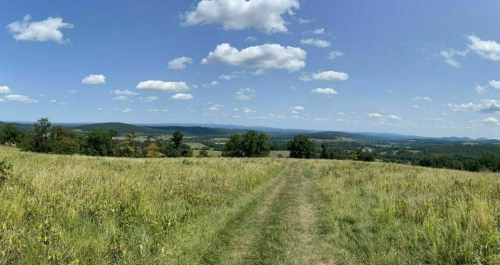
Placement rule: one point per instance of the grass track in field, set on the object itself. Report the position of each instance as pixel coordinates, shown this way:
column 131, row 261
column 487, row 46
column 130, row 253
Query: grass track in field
column 86, row 210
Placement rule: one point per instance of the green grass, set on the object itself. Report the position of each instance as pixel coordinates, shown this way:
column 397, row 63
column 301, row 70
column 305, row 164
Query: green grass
column 86, row 210
column 196, row 145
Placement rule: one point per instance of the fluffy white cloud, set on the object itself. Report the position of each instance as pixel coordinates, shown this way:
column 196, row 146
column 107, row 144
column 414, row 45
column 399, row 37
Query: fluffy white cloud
column 491, row 121
column 251, row 39
column 264, row 15
column 449, row 55
column 481, row 89
column 316, row 42
column 182, row 96
column 20, row 98
column 319, row 31
column 179, row 63
column 126, row 110
column 335, row 54
column 212, row 84
column 375, row 115
column 124, row 92
column 493, row 83
column 326, row 91
column 225, row 77
column 394, row 117
column 72, row 91
column 426, row 99
column 152, row 110
column 46, row 30
column 487, row 106
column 244, row 94
column 264, row 56
column 5, row 90
column 121, row 98
column 94, row 80
column 158, row 85
column 149, row 99
column 298, row 108
column 326, row 76
column 305, row 21
column 487, row 49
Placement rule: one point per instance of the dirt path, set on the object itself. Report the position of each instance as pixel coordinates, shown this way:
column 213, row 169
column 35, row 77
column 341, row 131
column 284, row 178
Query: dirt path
column 281, row 228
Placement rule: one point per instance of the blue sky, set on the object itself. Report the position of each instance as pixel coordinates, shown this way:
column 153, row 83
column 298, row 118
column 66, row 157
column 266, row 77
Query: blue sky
column 428, row 68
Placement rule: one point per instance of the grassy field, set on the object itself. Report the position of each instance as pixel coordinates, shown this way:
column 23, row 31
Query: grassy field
column 85, row 210
column 196, row 145
column 273, row 154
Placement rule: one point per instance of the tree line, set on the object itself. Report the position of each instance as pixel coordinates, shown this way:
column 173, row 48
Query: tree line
column 45, row 138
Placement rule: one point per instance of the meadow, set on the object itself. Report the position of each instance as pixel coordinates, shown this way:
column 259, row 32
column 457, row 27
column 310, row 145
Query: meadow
column 88, row 210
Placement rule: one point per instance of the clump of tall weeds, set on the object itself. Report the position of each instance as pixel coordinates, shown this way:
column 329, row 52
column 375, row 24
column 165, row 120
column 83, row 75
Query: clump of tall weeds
column 5, row 170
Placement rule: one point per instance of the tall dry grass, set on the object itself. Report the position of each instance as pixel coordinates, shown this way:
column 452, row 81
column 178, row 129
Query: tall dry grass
column 85, row 210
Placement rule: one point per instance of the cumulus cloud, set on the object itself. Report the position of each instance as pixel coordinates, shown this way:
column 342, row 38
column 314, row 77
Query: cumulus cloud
column 326, row 76
column 335, row 54
column 179, row 63
column 126, row 110
column 298, row 108
column 264, row 56
column 487, row 49
column 20, row 98
column 325, row 91
column 182, row 96
column 319, row 31
column 316, row 42
column 493, row 83
column 251, row 39
column 426, row 99
column 212, row 84
column 491, row 121
column 94, row 80
column 225, row 77
column 481, row 89
column 46, row 30
column 263, row 15
column 305, row 21
column 149, row 99
column 450, row 54
column 244, row 94
column 157, row 85
column 5, row 90
column 375, row 115
column 124, row 92
column 120, row 98
column 394, row 117
column 486, row 106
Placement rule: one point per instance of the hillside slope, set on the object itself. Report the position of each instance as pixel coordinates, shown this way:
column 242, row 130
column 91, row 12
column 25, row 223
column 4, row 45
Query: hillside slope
column 63, row 209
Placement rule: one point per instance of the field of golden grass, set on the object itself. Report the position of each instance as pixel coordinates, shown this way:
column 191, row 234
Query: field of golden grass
column 88, row 210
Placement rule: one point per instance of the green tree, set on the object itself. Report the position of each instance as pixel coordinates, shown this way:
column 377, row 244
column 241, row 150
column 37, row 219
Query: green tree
column 38, row 139
column 233, row 147
column 64, row 141
column 203, row 153
column 177, row 144
column 325, row 153
column 251, row 144
column 98, row 143
column 10, row 134
column 301, row 147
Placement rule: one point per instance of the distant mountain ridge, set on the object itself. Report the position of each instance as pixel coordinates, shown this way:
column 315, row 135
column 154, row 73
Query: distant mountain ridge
column 225, row 129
